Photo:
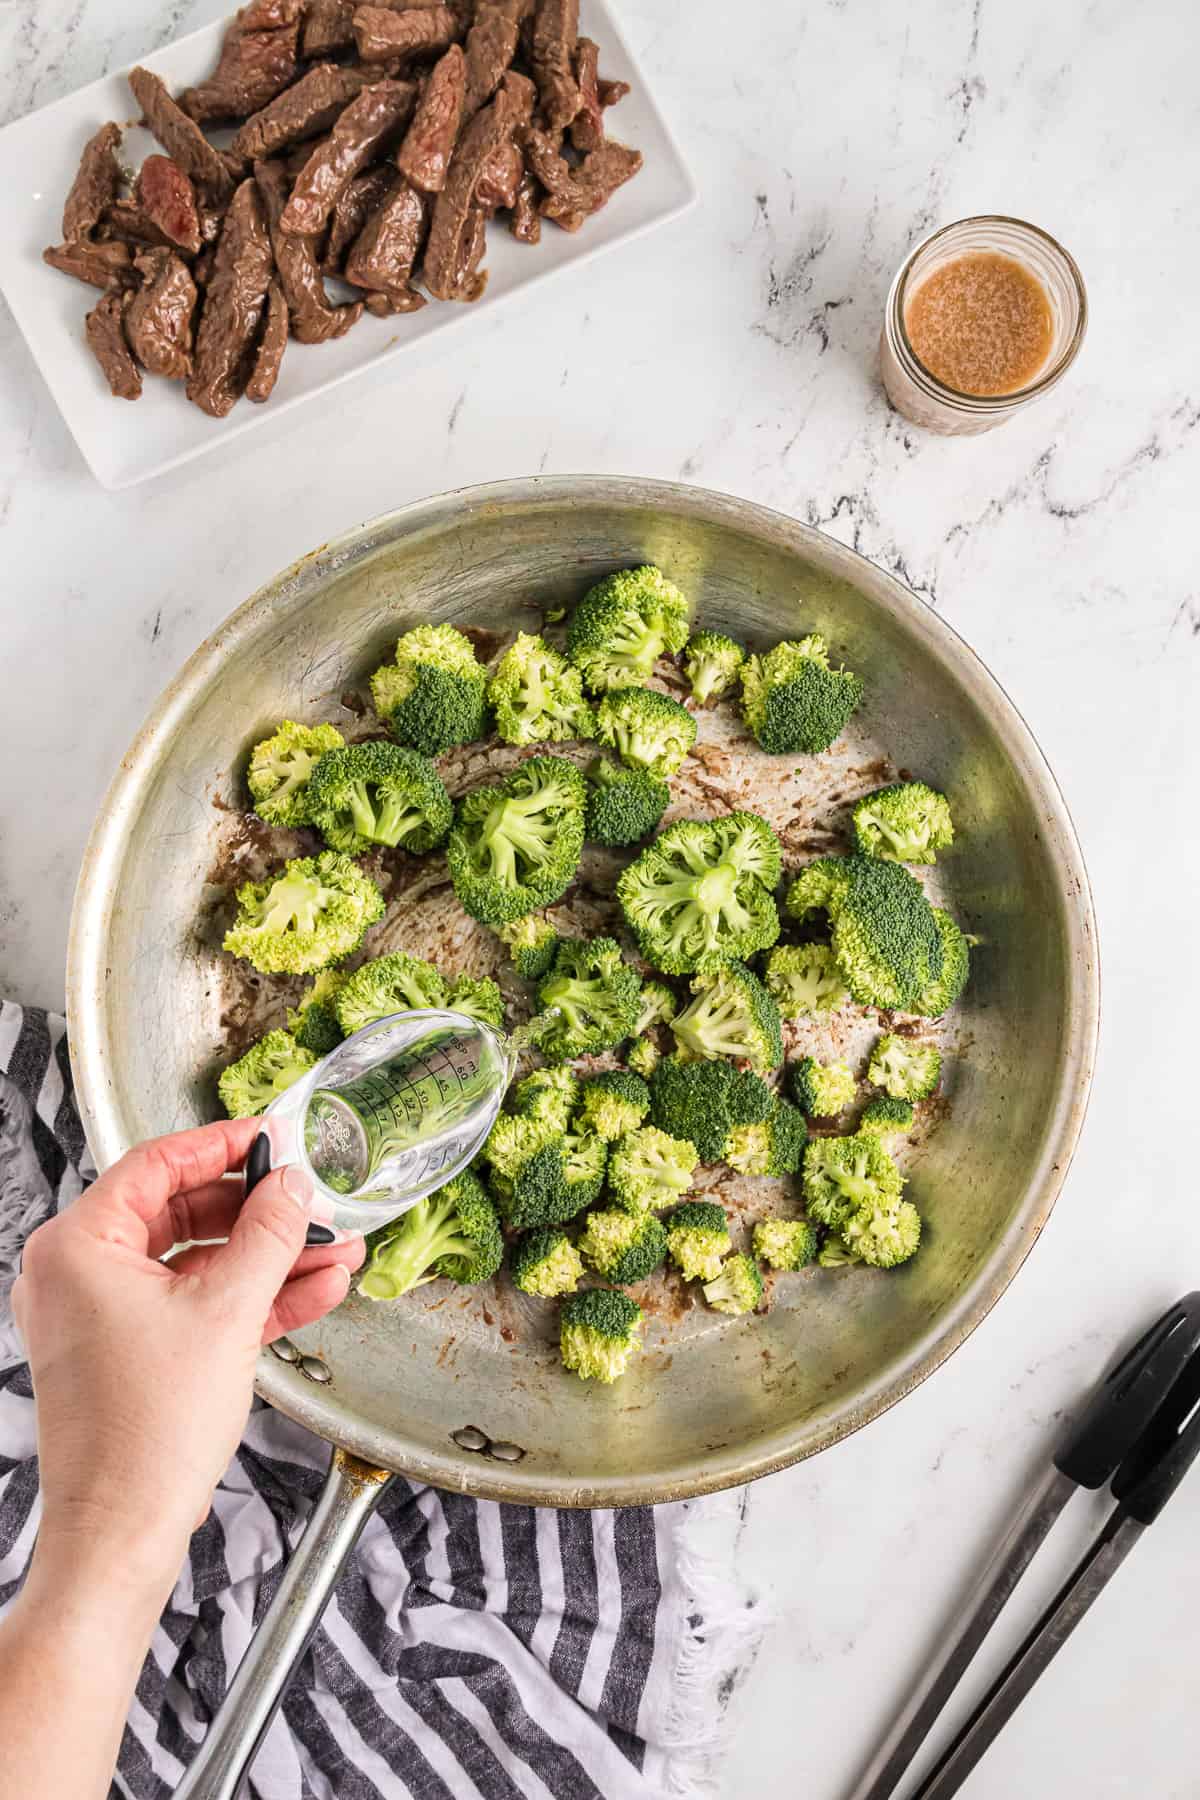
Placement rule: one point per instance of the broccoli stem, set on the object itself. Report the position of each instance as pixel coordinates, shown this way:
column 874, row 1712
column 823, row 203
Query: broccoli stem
column 425, row 1234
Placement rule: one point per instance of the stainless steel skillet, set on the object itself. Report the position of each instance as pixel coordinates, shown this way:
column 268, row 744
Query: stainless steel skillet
column 466, row 1392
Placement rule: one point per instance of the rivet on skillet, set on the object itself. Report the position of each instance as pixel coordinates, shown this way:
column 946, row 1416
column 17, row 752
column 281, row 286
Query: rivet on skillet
column 507, row 1452
column 285, row 1350
column 315, row 1369
column 470, row 1438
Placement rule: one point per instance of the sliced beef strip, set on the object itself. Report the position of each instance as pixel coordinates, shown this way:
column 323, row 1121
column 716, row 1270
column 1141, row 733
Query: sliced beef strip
column 380, row 33
column 525, row 220
column 354, row 207
column 295, row 159
column 96, row 184
column 573, row 195
column 490, row 48
column 495, row 126
column 181, row 137
column 304, row 110
column 405, row 300
column 233, row 306
column 469, row 279
column 551, row 52
column 313, row 319
column 259, row 58
column 364, row 132
column 168, row 199
column 126, row 222
column 500, row 179
column 386, row 250
column 587, row 127
column 611, row 92
column 271, row 347
column 105, row 331
column 158, row 318
column 424, row 156
column 106, row 265
column 328, row 26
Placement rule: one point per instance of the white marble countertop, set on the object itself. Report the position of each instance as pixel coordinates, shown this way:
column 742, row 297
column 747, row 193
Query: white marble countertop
column 736, row 349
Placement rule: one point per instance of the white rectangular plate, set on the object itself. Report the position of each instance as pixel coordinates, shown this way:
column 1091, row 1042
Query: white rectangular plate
column 126, row 442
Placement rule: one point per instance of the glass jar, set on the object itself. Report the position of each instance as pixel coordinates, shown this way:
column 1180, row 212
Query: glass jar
column 910, row 386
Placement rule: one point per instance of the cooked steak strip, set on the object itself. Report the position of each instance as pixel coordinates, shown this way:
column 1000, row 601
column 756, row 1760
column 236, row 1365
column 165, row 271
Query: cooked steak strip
column 181, row 137
column 573, row 195
column 611, row 92
column 407, row 300
column 107, row 265
column 259, row 58
column 365, row 131
column 96, row 184
column 233, row 306
column 354, row 207
column 496, row 125
column 385, row 252
column 309, row 107
column 168, row 200
column 105, row 332
column 158, row 318
column 491, row 46
column 328, row 25
column 587, row 127
column 126, row 222
column 551, row 50
column 469, row 279
column 271, row 347
column 500, row 179
column 424, row 156
column 381, row 33
column 525, row 220
column 313, row 319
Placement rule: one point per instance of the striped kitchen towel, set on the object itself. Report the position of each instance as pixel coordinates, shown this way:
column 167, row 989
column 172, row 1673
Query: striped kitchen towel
column 472, row 1651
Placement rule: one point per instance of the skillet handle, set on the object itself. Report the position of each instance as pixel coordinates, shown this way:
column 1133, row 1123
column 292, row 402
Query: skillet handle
column 351, row 1492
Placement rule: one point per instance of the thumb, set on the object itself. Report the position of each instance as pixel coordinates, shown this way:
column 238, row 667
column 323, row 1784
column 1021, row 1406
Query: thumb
column 266, row 1239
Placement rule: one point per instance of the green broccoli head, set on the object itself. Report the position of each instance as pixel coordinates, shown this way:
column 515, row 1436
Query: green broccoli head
column 623, row 1247
column 907, row 822
column 648, row 1168
column 545, row 1263
column 886, row 1117
column 885, row 937
column 773, row 1146
column 531, row 942
column 843, row 1174
column 550, row 1095
column 731, row 1015
column 883, row 1236
column 585, row 1162
column 623, row 625
column 820, row 887
column 537, row 696
column 648, row 730
column 281, row 767
column 623, row 805
column 737, row 1288
column 390, row 984
column 750, row 845
column 804, row 979
column 541, row 1174
column 702, row 1102
column 314, row 1023
column 313, row 913
column 904, row 1068
column 712, row 663
column 943, row 991
column 599, row 1329
column 454, row 1233
column 656, row 1003
column 836, row 1253
column 793, row 701
column 434, row 694
column 478, row 998
column 698, row 1239
column 378, row 794
column 249, row 1085
column 643, row 1057
column 822, row 1089
column 613, row 1103
column 785, row 1244
column 515, row 848
column 596, row 994
column 689, row 904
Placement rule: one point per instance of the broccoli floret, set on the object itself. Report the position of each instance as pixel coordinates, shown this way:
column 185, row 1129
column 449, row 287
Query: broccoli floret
column 249, row 1085
column 648, row 1169
column 886, row 939
column 836, row 1253
column 613, row 1103
column 623, row 625
column 656, row 1003
column 712, row 663
column 526, row 1178
column 378, row 794
column 313, row 913
column 531, row 942
column 883, row 1236
column 390, row 984
column 478, row 998
column 643, row 1057
column 515, row 848
column 842, row 1174
column 821, row 886
column 732, row 1015
column 648, row 730
column 547, row 1094
column 793, row 701
column 702, row 1102
column 596, row 994
column 599, row 1329
column 772, row 1147
column 314, row 1023
column 738, row 1287
column 546, row 1263
column 785, row 1243
column 886, row 1117
column 749, row 843
column 822, row 1089
column 944, row 990
column 803, row 979
column 623, row 805
column 623, row 1247
column 907, row 822
column 435, row 692
column 454, row 1233
column 280, row 767
column 585, row 1162
column 904, row 1069
column 537, row 696
column 698, row 1239
column 691, row 902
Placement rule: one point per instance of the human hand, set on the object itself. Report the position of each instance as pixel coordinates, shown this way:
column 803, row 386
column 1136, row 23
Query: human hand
column 143, row 1371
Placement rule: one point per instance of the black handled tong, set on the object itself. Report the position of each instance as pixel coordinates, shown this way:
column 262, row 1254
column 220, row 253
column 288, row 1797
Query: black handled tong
column 1140, row 1432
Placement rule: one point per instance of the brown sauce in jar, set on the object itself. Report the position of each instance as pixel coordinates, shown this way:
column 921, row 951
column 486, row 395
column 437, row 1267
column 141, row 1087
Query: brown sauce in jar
column 981, row 324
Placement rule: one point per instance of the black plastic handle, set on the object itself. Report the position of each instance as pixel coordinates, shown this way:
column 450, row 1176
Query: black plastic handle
column 257, row 1166
column 1149, row 1476
column 1119, row 1411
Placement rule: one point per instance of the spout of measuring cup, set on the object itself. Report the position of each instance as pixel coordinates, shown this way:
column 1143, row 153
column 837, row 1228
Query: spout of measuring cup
column 526, row 1037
